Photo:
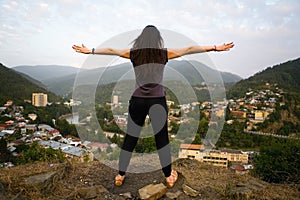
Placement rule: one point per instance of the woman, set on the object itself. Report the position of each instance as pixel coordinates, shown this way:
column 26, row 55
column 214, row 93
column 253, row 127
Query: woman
column 149, row 58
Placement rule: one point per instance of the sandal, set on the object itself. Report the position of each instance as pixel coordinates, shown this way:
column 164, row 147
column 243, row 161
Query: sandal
column 171, row 180
column 119, row 180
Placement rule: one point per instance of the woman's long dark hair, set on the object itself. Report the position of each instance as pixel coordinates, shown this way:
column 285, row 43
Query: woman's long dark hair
column 149, row 38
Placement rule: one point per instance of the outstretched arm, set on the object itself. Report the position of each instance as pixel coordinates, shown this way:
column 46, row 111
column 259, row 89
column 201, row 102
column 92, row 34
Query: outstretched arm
column 175, row 53
column 125, row 53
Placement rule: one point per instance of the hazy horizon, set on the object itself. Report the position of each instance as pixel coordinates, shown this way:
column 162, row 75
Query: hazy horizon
column 80, row 67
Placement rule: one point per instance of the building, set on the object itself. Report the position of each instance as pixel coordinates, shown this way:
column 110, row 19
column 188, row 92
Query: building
column 173, row 111
column 238, row 114
column 219, row 158
column 169, row 103
column 121, row 120
column 115, row 100
column 9, row 103
column 216, row 158
column 193, row 151
column 32, row 116
column 235, row 156
column 71, row 152
column 39, row 99
column 93, row 146
column 261, row 115
column 220, row 112
column 223, row 157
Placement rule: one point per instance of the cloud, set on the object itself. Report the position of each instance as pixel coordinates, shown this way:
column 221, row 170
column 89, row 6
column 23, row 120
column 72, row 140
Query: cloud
column 254, row 25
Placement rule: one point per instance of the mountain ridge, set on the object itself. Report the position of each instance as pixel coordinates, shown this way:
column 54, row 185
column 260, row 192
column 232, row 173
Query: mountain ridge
column 286, row 75
column 44, row 72
column 193, row 71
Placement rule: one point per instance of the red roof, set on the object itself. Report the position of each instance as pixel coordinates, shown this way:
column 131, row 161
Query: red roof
column 3, row 125
column 236, row 112
column 98, row 144
column 240, row 168
column 54, row 131
column 192, row 146
column 19, row 141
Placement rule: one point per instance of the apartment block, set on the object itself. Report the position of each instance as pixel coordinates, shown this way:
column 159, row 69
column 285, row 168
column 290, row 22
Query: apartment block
column 215, row 157
column 39, row 99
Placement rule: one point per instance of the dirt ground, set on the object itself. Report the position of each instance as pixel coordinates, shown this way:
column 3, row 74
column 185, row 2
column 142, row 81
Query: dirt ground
column 96, row 181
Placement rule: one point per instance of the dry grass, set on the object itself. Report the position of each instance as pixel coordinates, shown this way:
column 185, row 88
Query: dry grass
column 74, row 180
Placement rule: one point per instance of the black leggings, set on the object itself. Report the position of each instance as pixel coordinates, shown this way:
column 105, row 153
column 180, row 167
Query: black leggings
column 157, row 110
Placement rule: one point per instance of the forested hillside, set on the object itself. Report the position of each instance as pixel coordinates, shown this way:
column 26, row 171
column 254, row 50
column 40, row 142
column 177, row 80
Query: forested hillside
column 285, row 120
column 17, row 88
column 285, row 75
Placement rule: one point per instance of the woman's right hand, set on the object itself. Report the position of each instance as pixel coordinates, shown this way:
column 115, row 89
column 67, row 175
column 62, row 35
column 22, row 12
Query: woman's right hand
column 81, row 49
column 224, row 47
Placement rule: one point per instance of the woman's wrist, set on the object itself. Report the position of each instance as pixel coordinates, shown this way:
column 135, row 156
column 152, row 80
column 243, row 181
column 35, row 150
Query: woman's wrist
column 215, row 48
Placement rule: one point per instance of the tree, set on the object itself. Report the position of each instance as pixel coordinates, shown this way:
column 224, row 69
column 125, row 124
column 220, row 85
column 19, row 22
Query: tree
column 35, row 152
column 203, row 126
column 63, row 126
column 175, row 127
column 197, row 139
column 227, row 113
column 279, row 162
column 145, row 145
column 114, row 139
column 5, row 154
column 3, row 119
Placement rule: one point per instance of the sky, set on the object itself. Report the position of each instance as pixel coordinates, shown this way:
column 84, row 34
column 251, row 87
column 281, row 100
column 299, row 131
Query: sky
column 265, row 33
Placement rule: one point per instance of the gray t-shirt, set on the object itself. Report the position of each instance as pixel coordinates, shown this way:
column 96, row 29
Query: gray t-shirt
column 149, row 64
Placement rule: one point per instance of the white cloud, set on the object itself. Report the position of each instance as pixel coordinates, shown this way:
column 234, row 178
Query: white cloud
column 43, row 5
column 253, row 25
